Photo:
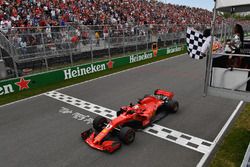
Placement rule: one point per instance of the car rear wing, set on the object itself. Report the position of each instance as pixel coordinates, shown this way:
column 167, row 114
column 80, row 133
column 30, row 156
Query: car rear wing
column 169, row 95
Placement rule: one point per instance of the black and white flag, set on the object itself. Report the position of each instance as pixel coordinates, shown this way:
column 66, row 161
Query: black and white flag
column 195, row 40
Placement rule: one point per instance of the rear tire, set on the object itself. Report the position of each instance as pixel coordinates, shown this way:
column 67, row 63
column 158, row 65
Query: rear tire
column 127, row 135
column 172, row 106
column 99, row 122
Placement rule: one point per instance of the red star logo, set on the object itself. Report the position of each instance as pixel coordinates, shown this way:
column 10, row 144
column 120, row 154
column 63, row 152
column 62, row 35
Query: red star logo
column 110, row 64
column 23, row 84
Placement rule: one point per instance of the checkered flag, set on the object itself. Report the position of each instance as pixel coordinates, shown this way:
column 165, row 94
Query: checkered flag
column 195, row 40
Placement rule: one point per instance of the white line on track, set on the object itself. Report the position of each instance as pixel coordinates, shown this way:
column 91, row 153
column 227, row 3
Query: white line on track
column 96, row 79
column 218, row 137
column 186, row 140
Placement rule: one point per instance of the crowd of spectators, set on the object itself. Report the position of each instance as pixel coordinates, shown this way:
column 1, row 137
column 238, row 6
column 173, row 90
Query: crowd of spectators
column 30, row 13
column 121, row 15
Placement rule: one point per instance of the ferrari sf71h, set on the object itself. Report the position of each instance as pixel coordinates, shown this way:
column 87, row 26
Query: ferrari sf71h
column 148, row 110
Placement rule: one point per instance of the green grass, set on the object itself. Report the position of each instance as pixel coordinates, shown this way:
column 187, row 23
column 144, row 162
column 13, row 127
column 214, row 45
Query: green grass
column 28, row 93
column 232, row 150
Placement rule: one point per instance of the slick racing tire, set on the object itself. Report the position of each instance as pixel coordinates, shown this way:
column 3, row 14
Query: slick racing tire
column 127, row 135
column 99, row 123
column 172, row 106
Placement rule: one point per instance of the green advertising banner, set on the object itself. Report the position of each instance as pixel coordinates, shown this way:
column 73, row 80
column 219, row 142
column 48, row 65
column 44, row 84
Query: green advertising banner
column 42, row 79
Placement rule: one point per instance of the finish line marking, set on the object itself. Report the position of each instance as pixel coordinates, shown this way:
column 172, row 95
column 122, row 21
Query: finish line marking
column 186, row 140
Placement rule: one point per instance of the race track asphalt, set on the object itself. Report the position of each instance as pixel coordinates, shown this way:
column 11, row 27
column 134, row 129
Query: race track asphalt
column 35, row 132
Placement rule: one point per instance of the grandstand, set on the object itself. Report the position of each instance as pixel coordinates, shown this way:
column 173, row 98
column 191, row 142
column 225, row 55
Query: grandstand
column 41, row 34
column 98, row 12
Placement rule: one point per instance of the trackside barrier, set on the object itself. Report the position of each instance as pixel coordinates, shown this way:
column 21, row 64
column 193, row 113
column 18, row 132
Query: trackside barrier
column 246, row 160
column 43, row 79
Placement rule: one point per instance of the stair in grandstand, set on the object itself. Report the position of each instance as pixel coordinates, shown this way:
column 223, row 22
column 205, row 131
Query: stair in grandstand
column 6, row 45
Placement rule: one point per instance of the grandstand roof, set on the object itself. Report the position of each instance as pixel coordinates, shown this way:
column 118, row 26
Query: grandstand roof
column 233, row 5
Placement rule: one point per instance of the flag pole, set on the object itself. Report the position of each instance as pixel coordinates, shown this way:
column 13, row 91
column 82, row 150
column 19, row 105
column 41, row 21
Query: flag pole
column 210, row 55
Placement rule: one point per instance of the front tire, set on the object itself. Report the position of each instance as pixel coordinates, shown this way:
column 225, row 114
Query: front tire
column 127, row 135
column 99, row 122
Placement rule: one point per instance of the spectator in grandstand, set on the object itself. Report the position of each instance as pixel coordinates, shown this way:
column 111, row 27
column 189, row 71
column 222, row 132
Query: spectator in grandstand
column 23, row 46
column 74, row 41
column 51, row 46
column 78, row 32
column 97, row 38
column 105, row 35
column 65, row 36
column 85, row 37
column 5, row 25
column 48, row 31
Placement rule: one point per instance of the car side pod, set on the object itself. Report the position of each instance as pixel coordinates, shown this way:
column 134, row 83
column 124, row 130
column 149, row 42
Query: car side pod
column 110, row 146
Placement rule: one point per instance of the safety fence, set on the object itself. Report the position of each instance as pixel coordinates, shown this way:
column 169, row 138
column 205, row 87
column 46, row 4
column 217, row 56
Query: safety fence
column 40, row 49
column 37, row 49
column 51, row 77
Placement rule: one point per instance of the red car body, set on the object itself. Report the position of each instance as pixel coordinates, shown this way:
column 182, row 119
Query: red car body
column 138, row 115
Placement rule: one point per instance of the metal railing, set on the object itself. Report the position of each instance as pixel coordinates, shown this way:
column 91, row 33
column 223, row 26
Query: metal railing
column 45, row 48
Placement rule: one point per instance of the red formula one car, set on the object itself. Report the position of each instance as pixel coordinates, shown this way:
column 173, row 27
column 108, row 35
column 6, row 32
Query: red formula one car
column 148, row 110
